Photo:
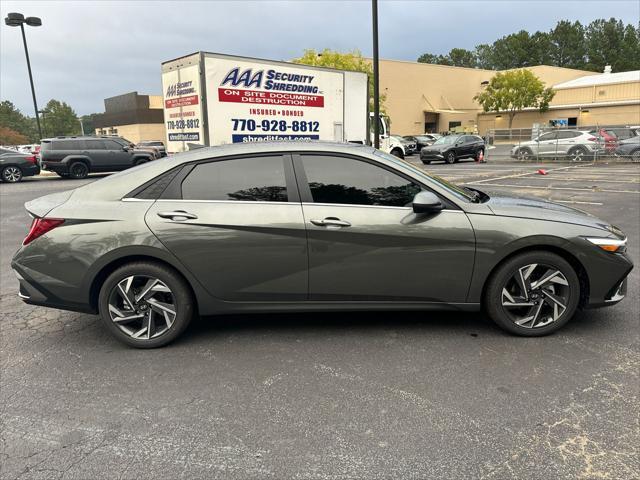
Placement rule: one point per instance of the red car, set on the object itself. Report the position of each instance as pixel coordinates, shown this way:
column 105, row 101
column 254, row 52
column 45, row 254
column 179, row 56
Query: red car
column 608, row 139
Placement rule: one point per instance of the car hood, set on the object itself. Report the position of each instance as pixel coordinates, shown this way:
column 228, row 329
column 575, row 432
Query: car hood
column 435, row 148
column 523, row 207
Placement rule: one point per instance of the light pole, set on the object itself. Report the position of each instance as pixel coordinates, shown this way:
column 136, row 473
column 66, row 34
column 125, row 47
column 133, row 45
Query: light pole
column 376, row 77
column 44, row 119
column 18, row 20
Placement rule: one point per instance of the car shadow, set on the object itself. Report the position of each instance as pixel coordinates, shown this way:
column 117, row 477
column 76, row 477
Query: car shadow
column 472, row 324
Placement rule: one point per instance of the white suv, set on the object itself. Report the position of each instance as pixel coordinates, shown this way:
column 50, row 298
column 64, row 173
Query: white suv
column 575, row 144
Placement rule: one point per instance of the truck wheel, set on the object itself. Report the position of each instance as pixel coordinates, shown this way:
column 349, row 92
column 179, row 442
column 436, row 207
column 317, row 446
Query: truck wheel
column 78, row 170
column 396, row 152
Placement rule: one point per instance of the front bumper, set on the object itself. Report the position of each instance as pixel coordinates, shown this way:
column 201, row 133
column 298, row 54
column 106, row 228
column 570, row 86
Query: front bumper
column 430, row 155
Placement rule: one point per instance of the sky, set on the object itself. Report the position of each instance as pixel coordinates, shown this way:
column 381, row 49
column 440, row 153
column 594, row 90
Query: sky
column 86, row 51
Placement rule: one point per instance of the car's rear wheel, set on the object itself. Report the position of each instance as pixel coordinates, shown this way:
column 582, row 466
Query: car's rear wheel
column 145, row 305
column 450, row 158
column 578, row 154
column 78, row 170
column 11, row 174
column 533, row 294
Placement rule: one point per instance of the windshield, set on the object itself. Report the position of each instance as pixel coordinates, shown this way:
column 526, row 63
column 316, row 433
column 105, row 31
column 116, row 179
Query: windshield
column 448, row 140
column 456, row 190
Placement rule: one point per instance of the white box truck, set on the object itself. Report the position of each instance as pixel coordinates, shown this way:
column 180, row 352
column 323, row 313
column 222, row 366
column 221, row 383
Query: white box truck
column 213, row 99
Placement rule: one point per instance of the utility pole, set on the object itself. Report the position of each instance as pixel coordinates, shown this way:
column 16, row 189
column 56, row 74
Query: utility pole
column 376, row 77
column 15, row 20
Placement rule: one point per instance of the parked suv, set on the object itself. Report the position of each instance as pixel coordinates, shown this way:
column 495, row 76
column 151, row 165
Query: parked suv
column 575, row 144
column 76, row 157
column 452, row 148
column 154, row 143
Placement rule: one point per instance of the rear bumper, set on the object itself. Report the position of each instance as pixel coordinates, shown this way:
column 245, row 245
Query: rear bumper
column 35, row 292
column 30, row 170
column 57, row 167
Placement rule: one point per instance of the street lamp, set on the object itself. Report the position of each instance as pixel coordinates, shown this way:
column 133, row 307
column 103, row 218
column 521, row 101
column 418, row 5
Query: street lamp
column 18, row 20
column 376, row 76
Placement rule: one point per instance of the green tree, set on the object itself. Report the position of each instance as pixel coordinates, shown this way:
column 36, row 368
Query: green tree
column 567, row 47
column 60, row 119
column 430, row 58
column 13, row 119
column 512, row 91
column 461, row 57
column 485, row 56
column 351, row 61
column 631, row 48
column 513, row 51
column 605, row 45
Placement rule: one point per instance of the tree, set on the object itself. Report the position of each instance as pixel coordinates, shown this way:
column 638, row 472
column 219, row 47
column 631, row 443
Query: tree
column 605, row 45
column 513, row 51
column 13, row 119
column 512, row 91
column 484, row 56
column 429, row 58
column 352, row 61
column 461, row 57
column 567, row 47
column 60, row 119
column 11, row 137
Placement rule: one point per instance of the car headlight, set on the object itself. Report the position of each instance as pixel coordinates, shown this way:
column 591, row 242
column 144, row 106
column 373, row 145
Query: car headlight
column 609, row 244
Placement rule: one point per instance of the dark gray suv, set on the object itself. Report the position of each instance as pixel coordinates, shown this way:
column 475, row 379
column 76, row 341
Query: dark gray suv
column 76, row 157
column 277, row 227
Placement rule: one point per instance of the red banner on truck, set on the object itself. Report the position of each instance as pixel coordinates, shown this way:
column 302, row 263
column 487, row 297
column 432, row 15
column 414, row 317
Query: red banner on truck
column 269, row 98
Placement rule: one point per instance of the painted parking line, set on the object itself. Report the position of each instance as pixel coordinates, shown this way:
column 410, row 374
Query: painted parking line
column 576, row 202
column 517, row 175
column 559, row 178
column 540, row 187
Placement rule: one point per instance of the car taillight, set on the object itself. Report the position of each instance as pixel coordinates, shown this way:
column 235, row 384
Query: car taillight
column 40, row 226
column 592, row 139
column 33, row 159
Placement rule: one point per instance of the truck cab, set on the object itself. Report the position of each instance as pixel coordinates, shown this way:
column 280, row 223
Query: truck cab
column 387, row 143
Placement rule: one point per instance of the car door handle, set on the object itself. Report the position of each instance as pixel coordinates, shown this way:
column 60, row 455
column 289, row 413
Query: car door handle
column 178, row 215
column 331, row 222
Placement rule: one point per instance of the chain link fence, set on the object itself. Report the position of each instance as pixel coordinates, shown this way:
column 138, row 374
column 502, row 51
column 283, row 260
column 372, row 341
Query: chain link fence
column 565, row 144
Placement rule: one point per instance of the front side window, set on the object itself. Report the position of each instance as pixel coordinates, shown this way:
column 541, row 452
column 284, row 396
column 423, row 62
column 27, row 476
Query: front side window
column 354, row 182
column 251, row 179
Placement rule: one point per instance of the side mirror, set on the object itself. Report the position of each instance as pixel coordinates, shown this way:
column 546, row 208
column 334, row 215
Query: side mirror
column 426, row 202
column 126, row 149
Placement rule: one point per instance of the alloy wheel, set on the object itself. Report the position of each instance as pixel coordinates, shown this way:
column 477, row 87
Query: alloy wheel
column 12, row 174
column 577, row 155
column 523, row 154
column 536, row 295
column 143, row 307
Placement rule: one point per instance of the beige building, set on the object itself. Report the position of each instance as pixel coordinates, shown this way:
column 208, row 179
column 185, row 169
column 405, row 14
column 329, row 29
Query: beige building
column 438, row 98
column 132, row 116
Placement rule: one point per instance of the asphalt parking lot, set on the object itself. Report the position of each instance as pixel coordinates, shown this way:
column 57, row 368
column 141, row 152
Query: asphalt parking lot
column 353, row 395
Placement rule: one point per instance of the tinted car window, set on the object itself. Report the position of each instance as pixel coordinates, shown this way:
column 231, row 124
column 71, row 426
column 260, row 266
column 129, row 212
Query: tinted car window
column 68, row 145
column 113, row 145
column 355, row 182
column 548, row 136
column 95, row 145
column 562, row 135
column 253, row 179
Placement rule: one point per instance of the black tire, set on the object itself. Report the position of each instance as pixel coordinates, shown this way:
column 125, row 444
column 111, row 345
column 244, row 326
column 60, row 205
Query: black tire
column 578, row 154
column 426, row 162
column 11, row 174
column 396, row 152
column 524, row 153
column 78, row 170
column 477, row 156
column 504, row 318
column 450, row 157
column 139, row 161
column 179, row 290
column 63, row 175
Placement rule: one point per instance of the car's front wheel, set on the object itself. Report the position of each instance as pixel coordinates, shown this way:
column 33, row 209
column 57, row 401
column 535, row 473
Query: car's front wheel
column 450, row 158
column 11, row 174
column 533, row 294
column 145, row 305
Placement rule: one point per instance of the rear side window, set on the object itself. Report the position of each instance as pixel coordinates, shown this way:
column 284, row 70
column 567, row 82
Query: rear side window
column 563, row 135
column 95, row 145
column 354, row 182
column 113, row 145
column 548, row 136
column 250, row 179
column 68, row 145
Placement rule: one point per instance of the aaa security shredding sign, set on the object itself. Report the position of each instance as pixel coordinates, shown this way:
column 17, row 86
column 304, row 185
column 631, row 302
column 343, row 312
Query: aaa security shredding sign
column 182, row 109
column 250, row 102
